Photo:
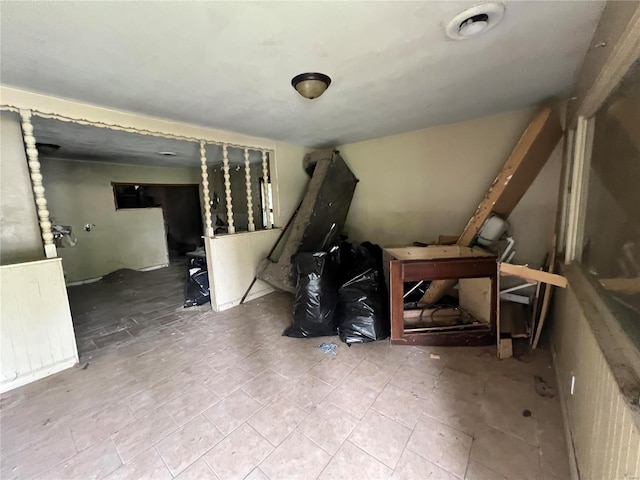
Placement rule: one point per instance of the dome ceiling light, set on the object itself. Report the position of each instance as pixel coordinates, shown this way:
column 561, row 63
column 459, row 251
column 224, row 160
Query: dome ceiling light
column 311, row 85
column 474, row 21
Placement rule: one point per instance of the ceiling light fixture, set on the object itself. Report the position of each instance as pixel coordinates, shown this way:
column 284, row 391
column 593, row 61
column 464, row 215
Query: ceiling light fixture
column 311, row 85
column 167, row 154
column 475, row 20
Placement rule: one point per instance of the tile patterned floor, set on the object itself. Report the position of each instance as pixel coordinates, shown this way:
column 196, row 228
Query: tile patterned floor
column 201, row 395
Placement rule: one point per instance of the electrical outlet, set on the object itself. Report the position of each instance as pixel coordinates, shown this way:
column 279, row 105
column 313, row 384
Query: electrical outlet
column 573, row 383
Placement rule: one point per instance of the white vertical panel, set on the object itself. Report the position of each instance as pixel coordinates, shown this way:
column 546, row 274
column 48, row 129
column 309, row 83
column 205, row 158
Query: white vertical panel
column 35, row 323
column 605, row 436
column 234, row 262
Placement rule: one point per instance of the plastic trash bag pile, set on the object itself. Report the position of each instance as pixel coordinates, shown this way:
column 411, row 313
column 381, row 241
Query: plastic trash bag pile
column 340, row 291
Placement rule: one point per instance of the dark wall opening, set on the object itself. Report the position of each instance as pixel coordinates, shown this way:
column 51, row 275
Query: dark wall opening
column 180, row 207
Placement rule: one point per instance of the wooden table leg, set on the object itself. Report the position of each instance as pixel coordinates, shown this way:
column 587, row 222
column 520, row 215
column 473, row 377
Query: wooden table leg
column 397, row 302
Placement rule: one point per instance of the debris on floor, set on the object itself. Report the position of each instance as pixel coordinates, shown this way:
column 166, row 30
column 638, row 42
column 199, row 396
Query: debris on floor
column 122, row 275
column 543, row 388
column 328, row 348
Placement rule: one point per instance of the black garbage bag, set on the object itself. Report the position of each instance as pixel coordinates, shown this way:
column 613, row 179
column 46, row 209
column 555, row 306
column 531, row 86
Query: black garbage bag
column 363, row 309
column 316, row 296
column 196, row 290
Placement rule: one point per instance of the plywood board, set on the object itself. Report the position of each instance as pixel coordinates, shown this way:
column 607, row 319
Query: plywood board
column 505, row 348
column 475, row 298
column 513, row 320
column 518, row 173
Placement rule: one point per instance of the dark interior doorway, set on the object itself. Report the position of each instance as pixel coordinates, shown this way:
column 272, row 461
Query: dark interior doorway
column 180, row 207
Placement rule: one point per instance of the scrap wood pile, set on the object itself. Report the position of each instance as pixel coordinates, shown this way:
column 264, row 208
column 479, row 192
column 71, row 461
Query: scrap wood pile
column 518, row 315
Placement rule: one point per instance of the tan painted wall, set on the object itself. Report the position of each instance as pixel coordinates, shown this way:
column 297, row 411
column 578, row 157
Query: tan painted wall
column 291, row 180
column 20, row 237
column 605, row 437
column 81, row 193
column 418, row 185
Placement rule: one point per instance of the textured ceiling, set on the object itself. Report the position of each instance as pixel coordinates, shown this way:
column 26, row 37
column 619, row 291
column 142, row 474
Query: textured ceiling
column 95, row 144
column 228, row 65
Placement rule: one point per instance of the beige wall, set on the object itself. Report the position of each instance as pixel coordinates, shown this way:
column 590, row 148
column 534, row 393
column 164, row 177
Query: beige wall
column 291, row 180
column 418, row 185
column 81, row 193
column 20, row 237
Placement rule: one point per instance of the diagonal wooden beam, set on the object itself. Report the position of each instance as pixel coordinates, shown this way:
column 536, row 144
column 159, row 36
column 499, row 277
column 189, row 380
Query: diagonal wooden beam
column 518, row 173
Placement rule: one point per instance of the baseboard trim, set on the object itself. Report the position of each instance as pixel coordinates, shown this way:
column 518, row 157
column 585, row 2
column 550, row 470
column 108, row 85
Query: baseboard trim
column 154, row 267
column 83, row 282
column 34, row 375
column 236, row 302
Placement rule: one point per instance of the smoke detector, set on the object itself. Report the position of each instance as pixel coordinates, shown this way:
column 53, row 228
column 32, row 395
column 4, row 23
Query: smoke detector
column 474, row 21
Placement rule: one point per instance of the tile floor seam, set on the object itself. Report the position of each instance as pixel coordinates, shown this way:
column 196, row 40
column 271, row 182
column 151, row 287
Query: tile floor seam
column 506, row 477
column 208, row 464
column 153, row 447
column 320, row 446
column 117, row 452
column 403, row 448
column 511, row 434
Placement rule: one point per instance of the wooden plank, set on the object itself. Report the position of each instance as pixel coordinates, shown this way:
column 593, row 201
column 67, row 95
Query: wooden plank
column 621, row 285
column 546, row 300
column 412, row 317
column 426, row 312
column 471, row 338
column 497, row 307
column 444, row 328
column 518, row 173
column 527, row 273
column 537, row 298
column 433, row 252
column 396, row 289
column 505, row 348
